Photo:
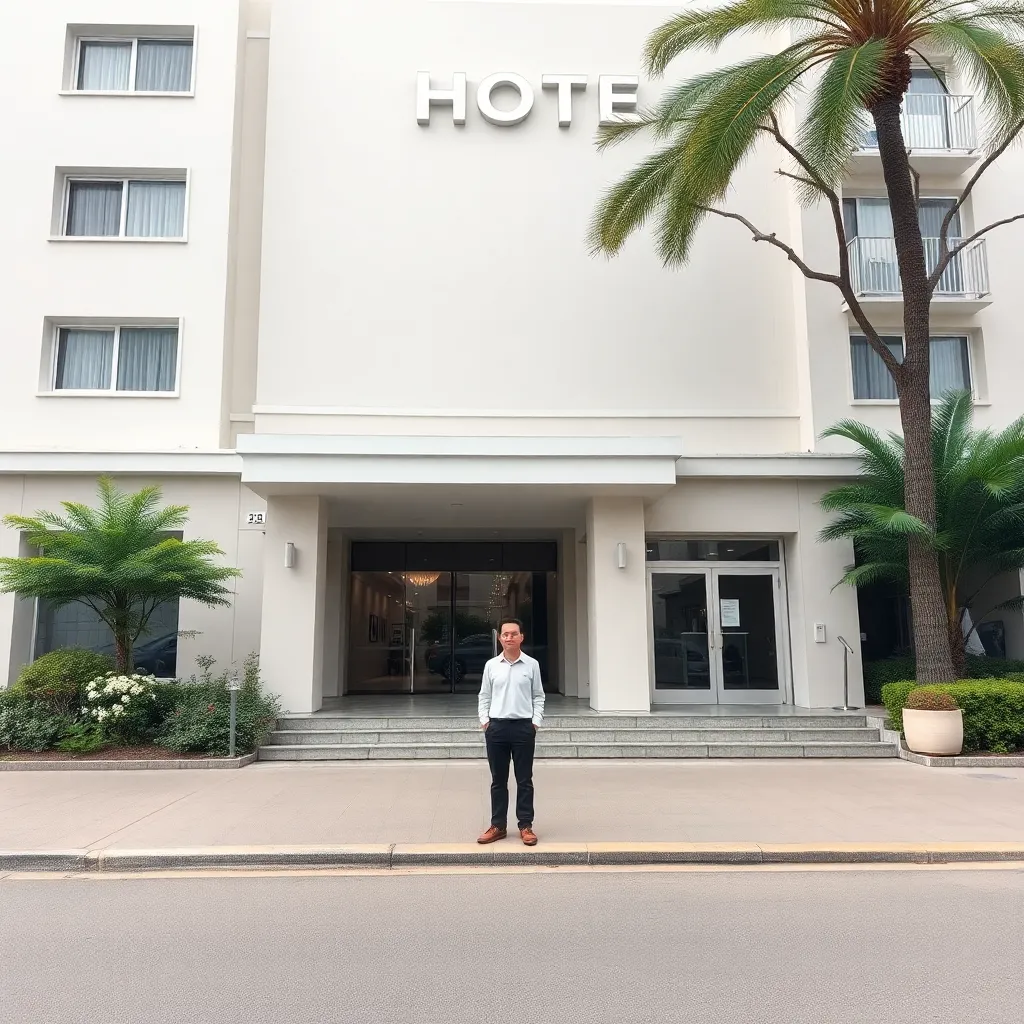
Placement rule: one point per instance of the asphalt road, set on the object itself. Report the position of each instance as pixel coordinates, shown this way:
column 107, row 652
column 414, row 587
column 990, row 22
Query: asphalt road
column 737, row 947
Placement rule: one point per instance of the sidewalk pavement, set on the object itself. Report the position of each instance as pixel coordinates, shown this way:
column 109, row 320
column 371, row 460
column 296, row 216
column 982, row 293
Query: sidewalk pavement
column 578, row 802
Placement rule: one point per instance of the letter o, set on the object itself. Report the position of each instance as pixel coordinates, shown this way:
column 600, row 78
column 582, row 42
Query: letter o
column 504, row 117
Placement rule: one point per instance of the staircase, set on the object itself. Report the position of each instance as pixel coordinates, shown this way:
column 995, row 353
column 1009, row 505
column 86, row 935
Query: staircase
column 325, row 737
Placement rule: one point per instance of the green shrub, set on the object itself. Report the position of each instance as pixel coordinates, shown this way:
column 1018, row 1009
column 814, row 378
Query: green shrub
column 28, row 725
column 83, row 738
column 927, row 698
column 993, row 710
column 58, row 679
column 894, row 696
column 895, row 670
column 198, row 712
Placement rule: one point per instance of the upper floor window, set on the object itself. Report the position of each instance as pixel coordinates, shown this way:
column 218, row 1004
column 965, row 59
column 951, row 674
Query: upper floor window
column 124, row 208
column 116, row 358
column 950, row 366
column 871, row 218
column 122, row 63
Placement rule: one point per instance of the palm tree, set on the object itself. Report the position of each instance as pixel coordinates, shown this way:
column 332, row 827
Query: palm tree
column 854, row 56
column 117, row 560
column 979, row 531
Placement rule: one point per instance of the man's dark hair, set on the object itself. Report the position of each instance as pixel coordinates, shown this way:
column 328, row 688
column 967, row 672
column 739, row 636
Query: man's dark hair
column 509, row 621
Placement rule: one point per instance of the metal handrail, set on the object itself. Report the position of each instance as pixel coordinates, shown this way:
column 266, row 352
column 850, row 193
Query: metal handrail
column 934, row 121
column 847, row 651
column 874, row 267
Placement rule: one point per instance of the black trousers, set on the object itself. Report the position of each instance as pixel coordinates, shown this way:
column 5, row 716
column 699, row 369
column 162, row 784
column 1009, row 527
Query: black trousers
column 511, row 739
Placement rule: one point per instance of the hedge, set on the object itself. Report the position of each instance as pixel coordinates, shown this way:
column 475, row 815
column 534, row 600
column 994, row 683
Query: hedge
column 896, row 670
column 993, row 710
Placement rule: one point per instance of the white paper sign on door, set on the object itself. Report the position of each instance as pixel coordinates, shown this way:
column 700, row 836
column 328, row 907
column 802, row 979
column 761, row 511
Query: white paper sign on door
column 730, row 607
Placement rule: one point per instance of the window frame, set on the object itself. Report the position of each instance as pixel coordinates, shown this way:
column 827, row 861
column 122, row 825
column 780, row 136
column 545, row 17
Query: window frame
column 125, row 181
column 966, row 336
column 858, row 197
column 76, row 64
column 111, row 392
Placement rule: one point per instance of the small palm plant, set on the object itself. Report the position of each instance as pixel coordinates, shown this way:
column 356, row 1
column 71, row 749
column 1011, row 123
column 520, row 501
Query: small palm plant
column 854, row 59
column 979, row 534
column 117, row 559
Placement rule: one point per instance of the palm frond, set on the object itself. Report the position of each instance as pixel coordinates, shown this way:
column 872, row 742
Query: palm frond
column 707, row 29
column 990, row 61
column 626, row 206
column 834, row 125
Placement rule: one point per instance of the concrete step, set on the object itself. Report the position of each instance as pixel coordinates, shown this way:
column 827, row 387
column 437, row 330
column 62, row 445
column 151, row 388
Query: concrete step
column 602, row 749
column 550, row 735
column 321, row 722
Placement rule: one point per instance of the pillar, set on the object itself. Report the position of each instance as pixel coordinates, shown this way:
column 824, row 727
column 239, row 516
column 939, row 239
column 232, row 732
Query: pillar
column 294, row 598
column 619, row 663
column 813, row 569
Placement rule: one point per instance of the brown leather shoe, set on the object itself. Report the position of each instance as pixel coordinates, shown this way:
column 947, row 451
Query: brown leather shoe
column 528, row 836
column 493, row 834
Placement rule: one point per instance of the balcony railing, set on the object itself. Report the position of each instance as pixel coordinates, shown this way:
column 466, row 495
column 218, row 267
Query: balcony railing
column 933, row 121
column 874, row 269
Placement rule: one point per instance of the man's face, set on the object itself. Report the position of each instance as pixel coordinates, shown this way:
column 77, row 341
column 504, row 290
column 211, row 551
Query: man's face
column 511, row 640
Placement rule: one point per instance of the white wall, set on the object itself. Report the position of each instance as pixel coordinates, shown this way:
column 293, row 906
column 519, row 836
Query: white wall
column 117, row 279
column 416, row 267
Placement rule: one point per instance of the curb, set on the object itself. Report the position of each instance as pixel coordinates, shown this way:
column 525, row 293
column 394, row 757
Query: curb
column 402, row 855
column 129, row 766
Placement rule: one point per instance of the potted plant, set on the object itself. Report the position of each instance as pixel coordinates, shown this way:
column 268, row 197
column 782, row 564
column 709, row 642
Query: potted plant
column 933, row 723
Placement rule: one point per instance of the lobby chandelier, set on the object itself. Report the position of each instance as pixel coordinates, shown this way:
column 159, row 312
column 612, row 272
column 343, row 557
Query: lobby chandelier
column 422, row 579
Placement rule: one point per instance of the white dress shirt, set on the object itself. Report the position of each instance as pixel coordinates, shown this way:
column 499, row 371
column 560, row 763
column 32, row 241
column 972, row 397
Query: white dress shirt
column 511, row 689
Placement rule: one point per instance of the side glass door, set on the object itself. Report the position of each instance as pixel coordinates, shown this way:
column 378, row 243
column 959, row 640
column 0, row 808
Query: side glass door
column 746, row 636
column 681, row 669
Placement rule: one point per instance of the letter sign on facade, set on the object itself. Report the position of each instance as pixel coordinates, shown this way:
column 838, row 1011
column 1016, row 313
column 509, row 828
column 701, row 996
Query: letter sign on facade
column 565, row 85
column 455, row 97
column 616, row 94
column 496, row 81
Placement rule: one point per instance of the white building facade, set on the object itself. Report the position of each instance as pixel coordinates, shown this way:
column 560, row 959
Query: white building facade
column 318, row 269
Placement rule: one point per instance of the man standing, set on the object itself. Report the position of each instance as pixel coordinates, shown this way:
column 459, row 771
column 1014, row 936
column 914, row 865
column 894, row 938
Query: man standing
column 511, row 709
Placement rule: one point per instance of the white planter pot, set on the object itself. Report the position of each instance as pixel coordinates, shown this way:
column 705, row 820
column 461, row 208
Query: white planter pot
column 934, row 732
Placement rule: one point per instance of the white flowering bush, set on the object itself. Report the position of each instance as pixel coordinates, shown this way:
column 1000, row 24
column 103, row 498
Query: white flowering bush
column 122, row 706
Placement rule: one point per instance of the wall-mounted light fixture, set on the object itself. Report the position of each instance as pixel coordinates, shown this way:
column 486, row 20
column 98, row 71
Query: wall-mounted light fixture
column 289, row 555
column 620, row 554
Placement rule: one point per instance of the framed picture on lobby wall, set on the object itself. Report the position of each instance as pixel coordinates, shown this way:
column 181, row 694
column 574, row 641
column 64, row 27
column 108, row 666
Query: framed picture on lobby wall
column 374, row 628
column 397, row 634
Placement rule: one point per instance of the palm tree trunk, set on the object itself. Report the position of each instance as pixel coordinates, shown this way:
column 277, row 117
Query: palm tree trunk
column 123, row 653
column 927, row 603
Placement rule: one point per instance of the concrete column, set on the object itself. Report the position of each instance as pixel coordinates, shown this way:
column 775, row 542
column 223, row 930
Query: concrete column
column 812, row 571
column 617, row 606
column 567, row 612
column 582, row 634
column 292, row 629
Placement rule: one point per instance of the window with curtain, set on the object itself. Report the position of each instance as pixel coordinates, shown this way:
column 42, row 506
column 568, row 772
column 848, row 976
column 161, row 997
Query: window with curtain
column 950, row 367
column 116, row 358
column 869, row 217
column 134, row 65
column 154, row 209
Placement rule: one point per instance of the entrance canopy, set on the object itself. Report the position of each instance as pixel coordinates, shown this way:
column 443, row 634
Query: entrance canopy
column 279, row 464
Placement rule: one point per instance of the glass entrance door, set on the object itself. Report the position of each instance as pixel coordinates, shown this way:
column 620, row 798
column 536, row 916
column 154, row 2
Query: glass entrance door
column 433, row 632
column 715, row 636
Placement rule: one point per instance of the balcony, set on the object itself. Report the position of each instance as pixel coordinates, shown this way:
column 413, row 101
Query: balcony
column 939, row 130
column 962, row 289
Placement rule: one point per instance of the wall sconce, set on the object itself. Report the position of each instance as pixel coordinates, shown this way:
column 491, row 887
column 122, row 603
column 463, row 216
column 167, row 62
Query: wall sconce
column 620, row 554
column 289, row 555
